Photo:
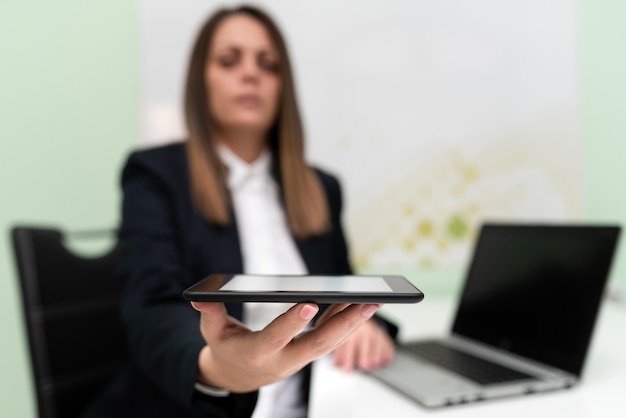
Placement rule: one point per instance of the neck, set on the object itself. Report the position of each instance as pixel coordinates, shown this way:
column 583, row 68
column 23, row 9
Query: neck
column 246, row 145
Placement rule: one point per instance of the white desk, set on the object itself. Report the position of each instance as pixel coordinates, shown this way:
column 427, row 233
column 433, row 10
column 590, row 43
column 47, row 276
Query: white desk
column 601, row 393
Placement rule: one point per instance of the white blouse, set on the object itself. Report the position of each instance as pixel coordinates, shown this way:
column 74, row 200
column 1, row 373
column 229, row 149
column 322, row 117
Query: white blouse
column 267, row 247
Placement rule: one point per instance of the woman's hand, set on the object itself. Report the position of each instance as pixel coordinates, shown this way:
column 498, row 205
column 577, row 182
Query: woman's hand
column 241, row 360
column 367, row 348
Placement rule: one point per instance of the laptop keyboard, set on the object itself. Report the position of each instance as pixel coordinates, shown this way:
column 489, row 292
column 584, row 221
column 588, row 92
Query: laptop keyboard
column 467, row 365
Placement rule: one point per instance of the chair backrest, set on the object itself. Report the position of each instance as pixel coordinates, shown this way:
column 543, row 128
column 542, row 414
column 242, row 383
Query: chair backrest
column 70, row 305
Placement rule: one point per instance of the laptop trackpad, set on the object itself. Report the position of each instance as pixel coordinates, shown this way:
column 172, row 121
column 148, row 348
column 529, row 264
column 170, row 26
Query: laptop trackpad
column 423, row 381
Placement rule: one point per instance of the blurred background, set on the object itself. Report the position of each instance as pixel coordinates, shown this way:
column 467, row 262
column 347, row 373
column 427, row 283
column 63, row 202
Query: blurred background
column 436, row 115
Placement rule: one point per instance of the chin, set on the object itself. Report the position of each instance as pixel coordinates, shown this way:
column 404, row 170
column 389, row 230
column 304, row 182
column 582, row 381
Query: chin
column 251, row 124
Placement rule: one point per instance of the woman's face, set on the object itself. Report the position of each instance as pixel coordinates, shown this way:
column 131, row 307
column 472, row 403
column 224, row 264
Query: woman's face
column 241, row 76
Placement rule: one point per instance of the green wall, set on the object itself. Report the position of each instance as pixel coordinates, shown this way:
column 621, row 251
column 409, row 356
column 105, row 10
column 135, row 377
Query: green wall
column 603, row 40
column 68, row 115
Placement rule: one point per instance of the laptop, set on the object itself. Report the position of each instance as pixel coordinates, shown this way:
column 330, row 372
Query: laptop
column 524, row 320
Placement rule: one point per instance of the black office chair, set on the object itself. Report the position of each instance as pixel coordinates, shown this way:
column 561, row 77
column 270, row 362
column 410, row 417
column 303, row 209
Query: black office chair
column 71, row 315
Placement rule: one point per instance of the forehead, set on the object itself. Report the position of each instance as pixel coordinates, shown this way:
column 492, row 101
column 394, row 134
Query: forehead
column 243, row 32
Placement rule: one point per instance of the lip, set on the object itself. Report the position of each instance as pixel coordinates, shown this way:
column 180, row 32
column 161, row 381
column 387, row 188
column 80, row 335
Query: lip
column 248, row 100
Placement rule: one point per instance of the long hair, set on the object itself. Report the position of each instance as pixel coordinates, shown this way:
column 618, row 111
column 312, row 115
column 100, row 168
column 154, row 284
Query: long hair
column 302, row 193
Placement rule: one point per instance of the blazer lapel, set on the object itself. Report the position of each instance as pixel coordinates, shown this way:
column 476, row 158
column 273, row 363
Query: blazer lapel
column 315, row 253
column 225, row 256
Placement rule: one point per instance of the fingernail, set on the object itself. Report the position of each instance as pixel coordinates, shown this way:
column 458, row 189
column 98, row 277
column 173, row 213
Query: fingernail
column 308, row 312
column 369, row 310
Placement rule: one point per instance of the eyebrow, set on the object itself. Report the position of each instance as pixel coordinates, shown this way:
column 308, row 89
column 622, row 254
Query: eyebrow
column 235, row 48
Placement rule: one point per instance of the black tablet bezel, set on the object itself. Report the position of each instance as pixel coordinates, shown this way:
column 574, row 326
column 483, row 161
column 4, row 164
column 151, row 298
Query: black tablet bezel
column 207, row 290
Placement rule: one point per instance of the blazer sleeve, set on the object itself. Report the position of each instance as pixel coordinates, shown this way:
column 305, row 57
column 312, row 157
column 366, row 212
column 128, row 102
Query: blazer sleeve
column 162, row 328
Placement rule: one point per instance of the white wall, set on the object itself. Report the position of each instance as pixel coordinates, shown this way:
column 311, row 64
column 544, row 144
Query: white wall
column 435, row 114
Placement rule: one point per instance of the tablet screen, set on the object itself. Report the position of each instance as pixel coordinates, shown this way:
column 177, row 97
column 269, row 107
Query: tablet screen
column 251, row 283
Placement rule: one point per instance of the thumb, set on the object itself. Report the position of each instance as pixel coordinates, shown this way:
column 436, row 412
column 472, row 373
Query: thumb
column 213, row 319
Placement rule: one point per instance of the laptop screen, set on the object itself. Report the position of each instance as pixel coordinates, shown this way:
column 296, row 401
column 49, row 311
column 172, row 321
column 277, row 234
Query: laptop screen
column 535, row 290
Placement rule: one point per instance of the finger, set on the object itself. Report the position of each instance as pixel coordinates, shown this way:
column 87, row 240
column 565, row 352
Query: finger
column 213, row 320
column 329, row 335
column 330, row 311
column 348, row 350
column 379, row 347
column 209, row 307
column 389, row 353
column 363, row 353
column 278, row 333
column 338, row 356
column 385, row 349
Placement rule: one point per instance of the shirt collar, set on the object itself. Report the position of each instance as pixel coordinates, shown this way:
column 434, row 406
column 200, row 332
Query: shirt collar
column 241, row 172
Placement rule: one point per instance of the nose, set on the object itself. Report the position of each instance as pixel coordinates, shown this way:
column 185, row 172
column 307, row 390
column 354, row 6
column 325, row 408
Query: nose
column 250, row 69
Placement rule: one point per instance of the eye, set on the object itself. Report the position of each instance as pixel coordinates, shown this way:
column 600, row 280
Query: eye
column 227, row 61
column 268, row 64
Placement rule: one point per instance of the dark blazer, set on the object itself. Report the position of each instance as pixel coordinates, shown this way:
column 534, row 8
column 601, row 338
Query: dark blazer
column 166, row 246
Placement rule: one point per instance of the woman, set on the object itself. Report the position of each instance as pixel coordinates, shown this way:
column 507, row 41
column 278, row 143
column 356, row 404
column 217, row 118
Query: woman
column 237, row 197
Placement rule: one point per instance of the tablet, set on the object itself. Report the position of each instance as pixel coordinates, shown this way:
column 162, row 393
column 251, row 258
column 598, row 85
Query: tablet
column 308, row 288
